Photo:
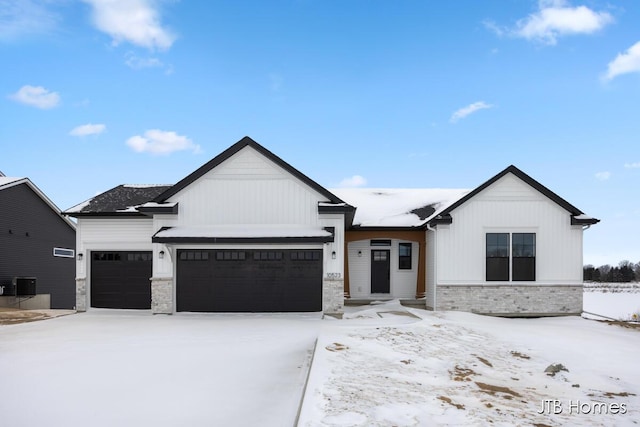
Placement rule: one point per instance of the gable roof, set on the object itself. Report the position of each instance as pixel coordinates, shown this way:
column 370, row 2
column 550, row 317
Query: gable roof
column 226, row 154
column 8, row 182
column 577, row 216
column 121, row 201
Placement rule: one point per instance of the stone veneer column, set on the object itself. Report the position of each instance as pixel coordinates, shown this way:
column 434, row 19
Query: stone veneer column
column 332, row 296
column 81, row 294
column 162, row 295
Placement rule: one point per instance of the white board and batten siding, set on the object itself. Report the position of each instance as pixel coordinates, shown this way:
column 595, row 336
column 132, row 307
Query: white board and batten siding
column 403, row 282
column 111, row 234
column 250, row 189
column 247, row 188
column 509, row 206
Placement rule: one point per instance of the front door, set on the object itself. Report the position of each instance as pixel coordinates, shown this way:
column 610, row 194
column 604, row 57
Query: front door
column 380, row 271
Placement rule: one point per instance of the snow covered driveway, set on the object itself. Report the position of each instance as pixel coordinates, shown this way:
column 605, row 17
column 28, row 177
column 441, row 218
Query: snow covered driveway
column 380, row 367
column 128, row 368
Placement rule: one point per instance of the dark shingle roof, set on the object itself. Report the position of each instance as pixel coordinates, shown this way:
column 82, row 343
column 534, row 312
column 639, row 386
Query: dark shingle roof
column 118, row 200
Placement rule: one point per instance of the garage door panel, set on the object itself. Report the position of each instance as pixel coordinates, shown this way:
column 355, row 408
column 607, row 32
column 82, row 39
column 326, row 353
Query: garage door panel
column 250, row 281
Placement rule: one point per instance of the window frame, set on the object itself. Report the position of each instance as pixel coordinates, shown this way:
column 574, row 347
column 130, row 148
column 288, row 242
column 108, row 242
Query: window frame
column 519, row 261
column 71, row 253
column 405, row 262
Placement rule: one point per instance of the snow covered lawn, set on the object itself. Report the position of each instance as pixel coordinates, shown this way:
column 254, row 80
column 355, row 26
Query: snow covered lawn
column 381, row 367
column 128, row 368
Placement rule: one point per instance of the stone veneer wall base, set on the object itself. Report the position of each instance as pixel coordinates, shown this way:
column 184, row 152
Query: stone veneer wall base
column 512, row 300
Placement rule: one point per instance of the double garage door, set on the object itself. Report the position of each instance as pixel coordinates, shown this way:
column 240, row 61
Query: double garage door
column 214, row 280
column 249, row 280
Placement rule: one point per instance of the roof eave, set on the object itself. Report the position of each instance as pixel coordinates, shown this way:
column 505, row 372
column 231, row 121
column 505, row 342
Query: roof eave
column 583, row 221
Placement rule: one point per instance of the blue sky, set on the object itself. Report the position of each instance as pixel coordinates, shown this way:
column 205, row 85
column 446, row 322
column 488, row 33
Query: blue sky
column 96, row 93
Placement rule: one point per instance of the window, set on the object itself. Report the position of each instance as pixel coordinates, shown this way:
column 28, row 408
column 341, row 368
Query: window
column 267, row 256
column 511, row 257
column 381, row 243
column 138, row 256
column 65, row 253
column 404, row 256
column 497, row 256
column 305, row 256
column 194, row 255
column 523, row 251
column 230, row 256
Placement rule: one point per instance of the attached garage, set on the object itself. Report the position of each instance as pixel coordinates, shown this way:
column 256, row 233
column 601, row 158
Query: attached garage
column 254, row 280
column 121, row 279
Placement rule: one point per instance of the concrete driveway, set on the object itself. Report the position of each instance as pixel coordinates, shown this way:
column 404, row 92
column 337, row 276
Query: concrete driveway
column 132, row 368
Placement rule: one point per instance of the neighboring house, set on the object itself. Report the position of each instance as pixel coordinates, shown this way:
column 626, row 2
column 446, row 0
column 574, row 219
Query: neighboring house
column 244, row 232
column 37, row 247
column 248, row 232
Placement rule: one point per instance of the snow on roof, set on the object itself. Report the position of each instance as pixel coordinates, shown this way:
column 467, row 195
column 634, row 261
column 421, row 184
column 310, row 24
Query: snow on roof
column 121, row 199
column 145, row 185
column 245, row 231
column 397, row 207
column 6, row 180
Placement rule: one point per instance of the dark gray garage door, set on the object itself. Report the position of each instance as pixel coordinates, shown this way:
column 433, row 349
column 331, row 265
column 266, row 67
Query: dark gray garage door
column 121, row 279
column 249, row 280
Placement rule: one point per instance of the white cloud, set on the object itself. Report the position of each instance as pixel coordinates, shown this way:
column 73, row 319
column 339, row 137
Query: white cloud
column 88, row 129
column 469, row 109
column 354, row 181
column 603, row 176
column 156, row 141
column 25, row 17
column 635, row 165
column 133, row 21
column 36, row 96
column 627, row 62
column 137, row 63
column 553, row 19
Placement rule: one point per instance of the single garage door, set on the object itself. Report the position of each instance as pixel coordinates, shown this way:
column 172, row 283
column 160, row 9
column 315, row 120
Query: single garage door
column 121, row 279
column 249, row 280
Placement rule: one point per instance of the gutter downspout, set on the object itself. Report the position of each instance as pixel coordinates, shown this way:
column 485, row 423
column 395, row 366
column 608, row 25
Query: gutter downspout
column 435, row 268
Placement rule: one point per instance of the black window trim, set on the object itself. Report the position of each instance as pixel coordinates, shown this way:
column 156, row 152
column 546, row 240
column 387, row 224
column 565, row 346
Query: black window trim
column 402, row 265
column 510, row 256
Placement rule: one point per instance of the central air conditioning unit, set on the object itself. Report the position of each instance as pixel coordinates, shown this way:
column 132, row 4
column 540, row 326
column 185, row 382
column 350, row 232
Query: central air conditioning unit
column 25, row 286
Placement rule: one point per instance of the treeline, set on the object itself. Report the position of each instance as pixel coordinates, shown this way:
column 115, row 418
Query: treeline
column 625, row 272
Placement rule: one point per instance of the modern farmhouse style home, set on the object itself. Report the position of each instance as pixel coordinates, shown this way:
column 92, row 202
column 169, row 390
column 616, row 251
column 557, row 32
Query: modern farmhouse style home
column 247, row 232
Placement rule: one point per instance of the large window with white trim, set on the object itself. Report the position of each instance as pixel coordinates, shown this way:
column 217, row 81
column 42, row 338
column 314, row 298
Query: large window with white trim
column 511, row 257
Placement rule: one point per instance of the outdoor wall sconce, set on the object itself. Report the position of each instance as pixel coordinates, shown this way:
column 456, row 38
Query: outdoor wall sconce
column 80, row 256
column 161, row 254
column 333, row 255
column 360, row 254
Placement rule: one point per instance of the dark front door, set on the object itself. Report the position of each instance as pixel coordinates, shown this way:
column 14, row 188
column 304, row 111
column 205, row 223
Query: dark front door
column 380, row 271
column 121, row 279
column 249, row 280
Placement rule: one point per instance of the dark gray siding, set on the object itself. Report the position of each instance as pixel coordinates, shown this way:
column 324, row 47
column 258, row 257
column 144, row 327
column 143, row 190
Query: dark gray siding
column 29, row 230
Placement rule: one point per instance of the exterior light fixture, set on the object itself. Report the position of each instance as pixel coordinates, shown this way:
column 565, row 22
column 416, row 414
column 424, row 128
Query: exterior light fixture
column 79, row 256
column 360, row 254
column 161, row 254
column 333, row 255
